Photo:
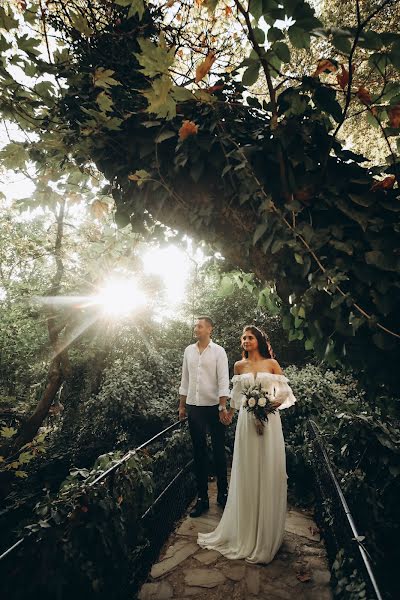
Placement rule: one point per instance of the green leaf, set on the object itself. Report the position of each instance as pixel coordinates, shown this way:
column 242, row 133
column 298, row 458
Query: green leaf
column 274, row 34
column 282, row 51
column 298, row 258
column 226, row 287
column 104, row 102
column 137, row 8
column 250, row 75
column 379, row 62
column 342, row 44
column 165, row 135
column 371, row 40
column 394, row 57
column 154, row 59
column 325, row 98
column 259, row 232
column 256, row 9
column 381, row 260
column 182, row 94
column 159, row 98
column 274, row 62
column 308, row 23
column 80, row 23
column 298, row 37
column 103, row 78
column 308, row 344
column 7, row 21
column 259, row 35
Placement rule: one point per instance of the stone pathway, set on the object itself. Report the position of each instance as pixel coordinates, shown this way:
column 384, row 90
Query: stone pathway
column 185, row 571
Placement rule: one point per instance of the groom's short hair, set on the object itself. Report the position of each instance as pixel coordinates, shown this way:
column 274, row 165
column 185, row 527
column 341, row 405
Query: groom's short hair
column 207, row 319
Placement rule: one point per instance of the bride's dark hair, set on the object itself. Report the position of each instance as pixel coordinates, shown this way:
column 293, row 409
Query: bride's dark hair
column 264, row 347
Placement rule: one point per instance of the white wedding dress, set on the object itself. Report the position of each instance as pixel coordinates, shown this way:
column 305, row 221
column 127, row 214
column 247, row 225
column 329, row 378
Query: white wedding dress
column 253, row 522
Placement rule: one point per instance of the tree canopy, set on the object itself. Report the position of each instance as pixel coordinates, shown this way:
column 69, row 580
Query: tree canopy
column 196, row 116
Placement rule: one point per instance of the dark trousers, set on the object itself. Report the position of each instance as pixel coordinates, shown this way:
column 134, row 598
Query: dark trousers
column 200, row 419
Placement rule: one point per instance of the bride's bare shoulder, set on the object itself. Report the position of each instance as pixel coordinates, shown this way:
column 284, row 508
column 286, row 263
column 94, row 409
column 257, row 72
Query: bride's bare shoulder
column 239, row 366
column 276, row 368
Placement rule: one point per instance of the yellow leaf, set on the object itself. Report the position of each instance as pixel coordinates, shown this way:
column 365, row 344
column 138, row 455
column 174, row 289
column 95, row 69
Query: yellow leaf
column 7, row 432
column 21, row 474
column 204, row 67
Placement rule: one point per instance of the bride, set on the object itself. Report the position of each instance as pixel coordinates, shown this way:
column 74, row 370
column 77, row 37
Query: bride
column 253, row 522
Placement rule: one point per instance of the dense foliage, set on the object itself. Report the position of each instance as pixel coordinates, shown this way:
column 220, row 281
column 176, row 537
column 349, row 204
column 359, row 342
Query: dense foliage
column 364, row 446
column 268, row 181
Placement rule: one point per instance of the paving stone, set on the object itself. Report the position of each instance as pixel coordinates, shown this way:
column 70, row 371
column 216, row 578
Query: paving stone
column 206, row 578
column 167, row 565
column 156, row 591
column 277, row 592
column 290, row 545
column 203, row 524
column 253, row 581
column 321, row 577
column 208, row 575
column 277, row 568
column 171, row 550
column 320, row 593
column 207, row 557
column 301, row 524
column 235, row 573
column 193, row 591
column 312, row 550
column 317, row 562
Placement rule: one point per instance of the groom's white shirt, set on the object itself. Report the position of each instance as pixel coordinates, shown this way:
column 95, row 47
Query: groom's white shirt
column 205, row 376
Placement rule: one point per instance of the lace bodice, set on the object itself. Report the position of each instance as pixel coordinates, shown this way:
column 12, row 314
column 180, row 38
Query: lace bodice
column 276, row 385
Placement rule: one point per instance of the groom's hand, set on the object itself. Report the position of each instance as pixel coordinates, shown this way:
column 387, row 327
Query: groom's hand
column 182, row 413
column 224, row 417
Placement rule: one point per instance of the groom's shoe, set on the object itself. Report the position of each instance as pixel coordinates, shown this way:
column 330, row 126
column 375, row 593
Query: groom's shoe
column 202, row 505
column 221, row 499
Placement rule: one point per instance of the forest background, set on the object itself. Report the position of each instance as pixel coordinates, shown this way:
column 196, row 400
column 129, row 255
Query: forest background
column 268, row 134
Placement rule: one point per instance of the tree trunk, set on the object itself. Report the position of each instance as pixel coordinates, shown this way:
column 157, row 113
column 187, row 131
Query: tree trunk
column 31, row 426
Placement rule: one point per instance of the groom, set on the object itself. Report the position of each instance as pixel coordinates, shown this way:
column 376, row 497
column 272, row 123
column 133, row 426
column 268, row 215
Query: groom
column 203, row 394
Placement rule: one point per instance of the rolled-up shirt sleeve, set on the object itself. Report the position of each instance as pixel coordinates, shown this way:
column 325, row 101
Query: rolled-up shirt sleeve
column 184, row 387
column 222, row 373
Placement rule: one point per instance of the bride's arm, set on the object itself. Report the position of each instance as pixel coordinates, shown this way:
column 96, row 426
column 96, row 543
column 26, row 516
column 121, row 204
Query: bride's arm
column 235, row 393
column 284, row 396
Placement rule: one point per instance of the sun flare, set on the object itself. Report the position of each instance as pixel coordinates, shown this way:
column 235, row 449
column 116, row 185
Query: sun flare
column 119, row 297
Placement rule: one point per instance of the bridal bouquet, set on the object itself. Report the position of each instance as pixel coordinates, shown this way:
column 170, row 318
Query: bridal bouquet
column 257, row 400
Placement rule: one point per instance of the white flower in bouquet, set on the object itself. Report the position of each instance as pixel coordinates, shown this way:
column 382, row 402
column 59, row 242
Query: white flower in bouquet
column 252, row 402
column 262, row 401
column 244, row 402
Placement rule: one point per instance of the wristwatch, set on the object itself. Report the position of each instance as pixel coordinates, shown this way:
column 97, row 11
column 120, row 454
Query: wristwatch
column 221, row 407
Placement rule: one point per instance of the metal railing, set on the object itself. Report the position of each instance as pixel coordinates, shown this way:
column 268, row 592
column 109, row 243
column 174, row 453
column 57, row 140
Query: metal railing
column 339, row 527
column 155, row 523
